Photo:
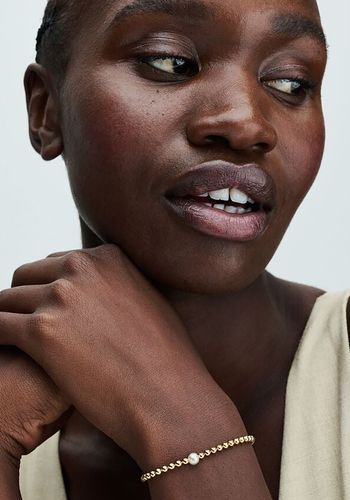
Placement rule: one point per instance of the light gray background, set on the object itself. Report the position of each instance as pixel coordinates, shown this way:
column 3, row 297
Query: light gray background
column 37, row 215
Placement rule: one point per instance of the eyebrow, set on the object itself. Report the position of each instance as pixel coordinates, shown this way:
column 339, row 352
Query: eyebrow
column 293, row 25
column 296, row 26
column 193, row 9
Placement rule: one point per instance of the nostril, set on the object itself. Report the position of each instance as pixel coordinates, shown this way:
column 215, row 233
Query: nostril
column 217, row 139
column 261, row 147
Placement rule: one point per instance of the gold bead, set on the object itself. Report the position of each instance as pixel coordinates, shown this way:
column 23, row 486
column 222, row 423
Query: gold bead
column 201, row 455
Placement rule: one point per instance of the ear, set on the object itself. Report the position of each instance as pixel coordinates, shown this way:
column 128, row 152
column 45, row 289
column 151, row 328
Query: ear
column 43, row 114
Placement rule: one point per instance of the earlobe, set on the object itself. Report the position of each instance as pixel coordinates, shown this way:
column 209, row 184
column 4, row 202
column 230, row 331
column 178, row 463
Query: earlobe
column 43, row 113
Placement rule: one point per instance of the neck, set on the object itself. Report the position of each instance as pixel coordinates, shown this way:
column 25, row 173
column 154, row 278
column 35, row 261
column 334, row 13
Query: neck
column 241, row 336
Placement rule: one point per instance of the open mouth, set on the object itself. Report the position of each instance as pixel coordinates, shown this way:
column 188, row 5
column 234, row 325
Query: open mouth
column 224, row 200
column 230, row 200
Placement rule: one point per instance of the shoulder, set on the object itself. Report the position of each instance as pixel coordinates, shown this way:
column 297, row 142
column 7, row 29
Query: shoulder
column 295, row 301
column 299, row 299
column 348, row 318
column 296, row 298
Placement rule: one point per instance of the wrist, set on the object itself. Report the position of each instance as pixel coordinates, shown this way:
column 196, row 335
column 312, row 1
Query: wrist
column 197, row 425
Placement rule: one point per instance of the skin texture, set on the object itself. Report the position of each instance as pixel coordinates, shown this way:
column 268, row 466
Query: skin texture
column 127, row 135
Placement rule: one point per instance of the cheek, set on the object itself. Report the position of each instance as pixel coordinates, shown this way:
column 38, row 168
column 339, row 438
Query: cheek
column 118, row 138
column 302, row 151
column 112, row 131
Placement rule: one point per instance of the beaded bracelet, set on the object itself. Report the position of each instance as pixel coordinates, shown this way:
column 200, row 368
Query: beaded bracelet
column 194, row 458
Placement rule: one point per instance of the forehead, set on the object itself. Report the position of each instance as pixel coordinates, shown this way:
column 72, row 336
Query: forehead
column 200, row 8
column 293, row 18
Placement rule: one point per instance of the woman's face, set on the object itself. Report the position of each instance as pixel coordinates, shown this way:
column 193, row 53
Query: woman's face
column 156, row 90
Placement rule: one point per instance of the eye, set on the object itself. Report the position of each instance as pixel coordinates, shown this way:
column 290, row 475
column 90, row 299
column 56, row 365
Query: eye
column 172, row 65
column 291, row 87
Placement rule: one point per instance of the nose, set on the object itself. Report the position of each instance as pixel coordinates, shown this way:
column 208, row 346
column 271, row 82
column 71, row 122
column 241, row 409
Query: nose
column 233, row 117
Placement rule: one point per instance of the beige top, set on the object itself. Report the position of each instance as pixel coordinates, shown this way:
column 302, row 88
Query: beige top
column 316, row 440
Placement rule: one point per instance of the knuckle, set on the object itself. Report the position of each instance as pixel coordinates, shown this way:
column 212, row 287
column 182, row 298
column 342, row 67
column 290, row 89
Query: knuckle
column 41, row 324
column 77, row 262
column 112, row 249
column 57, row 254
column 61, row 291
column 107, row 250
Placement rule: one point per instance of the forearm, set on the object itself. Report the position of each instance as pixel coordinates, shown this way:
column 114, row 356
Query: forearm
column 9, row 479
column 233, row 473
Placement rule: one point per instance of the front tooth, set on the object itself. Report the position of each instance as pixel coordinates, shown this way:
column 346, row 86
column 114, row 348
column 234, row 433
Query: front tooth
column 238, row 197
column 220, row 207
column 220, row 194
column 231, row 210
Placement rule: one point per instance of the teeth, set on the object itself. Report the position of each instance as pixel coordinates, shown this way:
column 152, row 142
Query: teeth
column 205, row 195
column 241, row 210
column 238, row 197
column 208, row 205
column 231, row 210
column 220, row 207
column 226, row 194
column 221, row 194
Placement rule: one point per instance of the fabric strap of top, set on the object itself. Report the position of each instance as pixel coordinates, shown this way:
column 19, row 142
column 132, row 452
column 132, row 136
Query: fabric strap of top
column 316, row 442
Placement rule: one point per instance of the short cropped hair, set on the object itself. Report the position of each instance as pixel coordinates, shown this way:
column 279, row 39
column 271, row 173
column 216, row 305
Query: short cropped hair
column 53, row 42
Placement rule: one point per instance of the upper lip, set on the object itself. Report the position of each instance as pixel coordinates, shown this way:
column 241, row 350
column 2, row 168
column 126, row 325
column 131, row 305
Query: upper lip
column 215, row 175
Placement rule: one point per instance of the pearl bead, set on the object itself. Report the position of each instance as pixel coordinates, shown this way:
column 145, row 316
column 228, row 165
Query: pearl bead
column 193, row 458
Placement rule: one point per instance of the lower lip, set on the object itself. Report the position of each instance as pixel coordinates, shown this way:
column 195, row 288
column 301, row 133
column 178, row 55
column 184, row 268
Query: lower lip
column 218, row 223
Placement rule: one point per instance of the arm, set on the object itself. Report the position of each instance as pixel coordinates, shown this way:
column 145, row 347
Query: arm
column 233, row 473
column 137, row 377
column 9, row 479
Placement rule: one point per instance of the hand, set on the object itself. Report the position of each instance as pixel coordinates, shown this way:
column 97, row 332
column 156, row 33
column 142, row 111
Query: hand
column 108, row 339
column 32, row 408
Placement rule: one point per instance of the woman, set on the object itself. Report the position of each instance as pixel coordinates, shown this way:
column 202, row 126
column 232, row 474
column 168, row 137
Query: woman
column 191, row 132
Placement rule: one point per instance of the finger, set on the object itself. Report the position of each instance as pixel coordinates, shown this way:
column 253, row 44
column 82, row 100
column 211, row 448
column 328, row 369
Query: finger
column 58, row 254
column 23, row 299
column 37, row 273
column 13, row 329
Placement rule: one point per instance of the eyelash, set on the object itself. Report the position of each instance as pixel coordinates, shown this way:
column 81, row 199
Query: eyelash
column 306, row 86
column 147, row 60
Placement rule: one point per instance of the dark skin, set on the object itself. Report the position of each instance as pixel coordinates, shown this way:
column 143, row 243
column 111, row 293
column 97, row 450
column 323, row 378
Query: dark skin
column 122, row 129
column 264, row 413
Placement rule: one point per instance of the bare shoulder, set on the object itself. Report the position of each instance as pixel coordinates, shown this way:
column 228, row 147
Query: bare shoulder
column 295, row 300
column 300, row 299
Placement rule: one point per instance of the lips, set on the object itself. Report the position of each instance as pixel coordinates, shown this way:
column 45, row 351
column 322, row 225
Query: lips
column 184, row 200
column 215, row 175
